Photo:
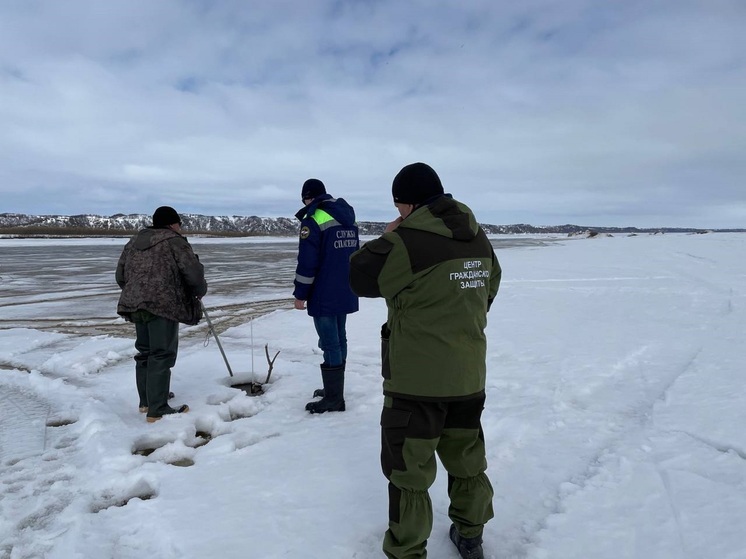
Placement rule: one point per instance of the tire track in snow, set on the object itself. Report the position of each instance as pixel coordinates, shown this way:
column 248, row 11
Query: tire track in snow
column 23, row 419
column 226, row 316
column 643, row 409
column 33, row 464
column 631, row 420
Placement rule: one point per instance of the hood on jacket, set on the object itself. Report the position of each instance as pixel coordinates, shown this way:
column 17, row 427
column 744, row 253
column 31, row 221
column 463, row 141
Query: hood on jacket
column 445, row 217
column 338, row 208
column 151, row 236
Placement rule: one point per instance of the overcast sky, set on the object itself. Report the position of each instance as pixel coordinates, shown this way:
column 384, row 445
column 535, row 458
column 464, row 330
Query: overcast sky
column 590, row 112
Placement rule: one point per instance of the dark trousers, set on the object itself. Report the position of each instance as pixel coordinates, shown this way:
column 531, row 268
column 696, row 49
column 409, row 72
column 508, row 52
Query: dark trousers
column 332, row 338
column 157, row 344
column 412, row 433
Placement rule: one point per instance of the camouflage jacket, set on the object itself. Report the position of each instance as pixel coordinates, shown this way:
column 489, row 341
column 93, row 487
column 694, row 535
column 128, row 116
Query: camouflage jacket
column 158, row 272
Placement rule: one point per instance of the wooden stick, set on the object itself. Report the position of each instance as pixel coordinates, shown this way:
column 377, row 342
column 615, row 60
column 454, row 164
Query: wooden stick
column 270, row 362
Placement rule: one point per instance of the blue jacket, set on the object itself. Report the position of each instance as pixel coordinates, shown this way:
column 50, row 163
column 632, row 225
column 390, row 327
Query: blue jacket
column 328, row 236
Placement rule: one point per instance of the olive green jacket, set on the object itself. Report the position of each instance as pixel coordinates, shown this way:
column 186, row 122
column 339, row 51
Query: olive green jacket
column 439, row 274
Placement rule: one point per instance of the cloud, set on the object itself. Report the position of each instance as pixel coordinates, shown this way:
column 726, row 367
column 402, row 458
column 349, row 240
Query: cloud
column 543, row 112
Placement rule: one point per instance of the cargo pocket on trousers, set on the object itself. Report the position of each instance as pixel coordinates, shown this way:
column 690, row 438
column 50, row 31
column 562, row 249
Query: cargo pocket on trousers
column 393, row 434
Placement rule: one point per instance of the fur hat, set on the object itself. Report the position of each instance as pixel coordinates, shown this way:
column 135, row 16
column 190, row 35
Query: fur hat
column 415, row 184
column 312, row 188
column 165, row 216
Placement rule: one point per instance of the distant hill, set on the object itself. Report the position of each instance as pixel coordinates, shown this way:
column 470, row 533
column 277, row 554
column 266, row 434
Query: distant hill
column 121, row 224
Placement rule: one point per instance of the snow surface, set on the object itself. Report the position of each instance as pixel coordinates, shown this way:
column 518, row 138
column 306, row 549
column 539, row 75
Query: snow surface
column 614, row 423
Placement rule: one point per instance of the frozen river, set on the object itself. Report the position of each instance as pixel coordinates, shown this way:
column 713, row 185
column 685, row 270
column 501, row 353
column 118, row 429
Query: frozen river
column 67, row 285
column 613, row 423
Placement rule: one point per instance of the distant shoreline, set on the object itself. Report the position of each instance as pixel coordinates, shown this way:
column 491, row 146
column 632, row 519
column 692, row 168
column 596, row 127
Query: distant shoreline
column 84, row 232
column 121, row 225
column 80, row 233
column 43, row 233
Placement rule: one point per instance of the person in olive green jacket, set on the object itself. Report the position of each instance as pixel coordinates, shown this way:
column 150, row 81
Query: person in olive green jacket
column 439, row 275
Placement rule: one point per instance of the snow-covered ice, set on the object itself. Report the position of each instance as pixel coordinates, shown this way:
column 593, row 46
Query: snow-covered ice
column 614, row 420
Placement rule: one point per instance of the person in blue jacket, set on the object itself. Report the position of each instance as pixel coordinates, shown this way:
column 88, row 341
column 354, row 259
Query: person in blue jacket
column 328, row 236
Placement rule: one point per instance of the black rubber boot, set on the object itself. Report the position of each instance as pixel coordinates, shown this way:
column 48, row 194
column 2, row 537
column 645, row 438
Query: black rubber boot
column 468, row 548
column 319, row 392
column 334, row 383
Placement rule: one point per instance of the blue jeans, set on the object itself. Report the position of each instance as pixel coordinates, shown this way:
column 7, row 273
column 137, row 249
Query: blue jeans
column 332, row 338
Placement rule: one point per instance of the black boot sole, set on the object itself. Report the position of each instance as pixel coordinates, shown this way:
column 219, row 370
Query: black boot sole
column 467, row 547
column 320, row 407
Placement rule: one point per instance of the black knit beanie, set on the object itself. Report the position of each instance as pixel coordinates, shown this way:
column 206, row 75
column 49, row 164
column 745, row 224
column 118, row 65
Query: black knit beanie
column 312, row 188
column 165, row 216
column 415, row 184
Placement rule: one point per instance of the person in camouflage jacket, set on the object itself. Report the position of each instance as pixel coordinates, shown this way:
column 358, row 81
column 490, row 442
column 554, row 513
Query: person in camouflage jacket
column 438, row 273
column 162, row 282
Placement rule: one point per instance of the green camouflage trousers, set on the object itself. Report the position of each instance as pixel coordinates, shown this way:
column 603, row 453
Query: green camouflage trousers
column 412, row 433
